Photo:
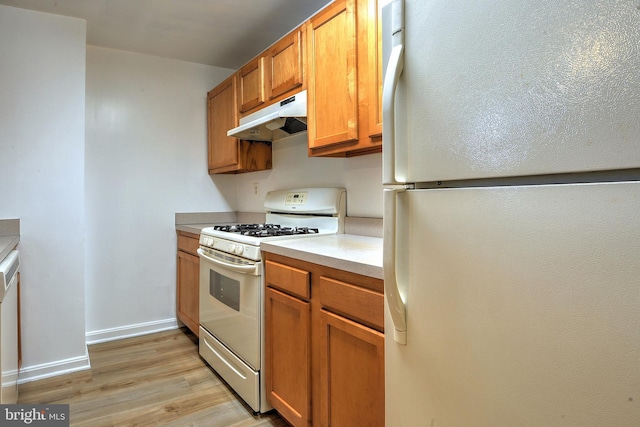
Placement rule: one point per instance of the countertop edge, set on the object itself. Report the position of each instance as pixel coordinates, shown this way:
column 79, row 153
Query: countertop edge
column 326, row 253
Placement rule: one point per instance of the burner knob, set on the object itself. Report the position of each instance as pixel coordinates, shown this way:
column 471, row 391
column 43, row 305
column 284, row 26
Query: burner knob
column 239, row 250
column 232, row 247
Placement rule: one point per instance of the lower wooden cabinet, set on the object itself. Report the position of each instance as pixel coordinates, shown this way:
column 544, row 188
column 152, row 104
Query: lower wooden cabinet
column 188, row 281
column 288, row 351
column 324, row 344
column 351, row 372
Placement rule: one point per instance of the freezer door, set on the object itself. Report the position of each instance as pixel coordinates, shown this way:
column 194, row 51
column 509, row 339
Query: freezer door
column 522, row 307
column 502, row 88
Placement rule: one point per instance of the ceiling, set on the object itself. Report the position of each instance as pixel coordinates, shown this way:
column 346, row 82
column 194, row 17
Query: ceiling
column 222, row 33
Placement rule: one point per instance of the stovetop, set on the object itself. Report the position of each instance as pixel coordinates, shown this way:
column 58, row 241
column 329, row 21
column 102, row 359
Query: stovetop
column 254, row 234
column 291, row 214
column 244, row 239
column 265, row 230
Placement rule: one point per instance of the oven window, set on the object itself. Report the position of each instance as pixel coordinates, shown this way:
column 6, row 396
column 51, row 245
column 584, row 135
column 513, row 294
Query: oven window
column 225, row 290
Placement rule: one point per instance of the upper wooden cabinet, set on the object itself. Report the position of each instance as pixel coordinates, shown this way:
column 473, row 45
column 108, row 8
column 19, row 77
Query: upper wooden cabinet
column 285, row 65
column 332, row 65
column 251, row 91
column 345, row 79
column 373, row 77
column 228, row 154
column 337, row 56
column 222, row 114
column 273, row 75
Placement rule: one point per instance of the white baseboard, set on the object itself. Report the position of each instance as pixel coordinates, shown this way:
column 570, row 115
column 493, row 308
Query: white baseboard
column 129, row 331
column 67, row 366
column 52, row 369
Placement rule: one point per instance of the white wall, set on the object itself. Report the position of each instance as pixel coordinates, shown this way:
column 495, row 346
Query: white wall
column 42, row 113
column 361, row 176
column 146, row 159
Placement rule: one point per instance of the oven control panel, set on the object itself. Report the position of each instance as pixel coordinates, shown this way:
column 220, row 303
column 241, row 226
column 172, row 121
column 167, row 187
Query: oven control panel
column 296, row 198
column 235, row 248
column 316, row 201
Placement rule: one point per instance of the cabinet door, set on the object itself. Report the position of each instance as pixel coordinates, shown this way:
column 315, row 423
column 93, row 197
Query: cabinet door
column 332, row 86
column 351, row 373
column 228, row 154
column 252, row 85
column 372, row 75
column 288, row 356
column 187, row 292
column 222, row 115
column 284, row 65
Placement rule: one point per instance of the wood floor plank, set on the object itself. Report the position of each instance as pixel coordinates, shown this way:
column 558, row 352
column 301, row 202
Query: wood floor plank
column 152, row 380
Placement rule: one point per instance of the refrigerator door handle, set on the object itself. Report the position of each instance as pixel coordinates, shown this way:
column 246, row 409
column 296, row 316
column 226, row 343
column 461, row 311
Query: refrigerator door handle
column 391, row 78
column 395, row 27
column 391, row 291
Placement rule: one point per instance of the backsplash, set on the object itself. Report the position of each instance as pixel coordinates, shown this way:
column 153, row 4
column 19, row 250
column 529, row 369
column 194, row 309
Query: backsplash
column 361, row 176
column 371, row 227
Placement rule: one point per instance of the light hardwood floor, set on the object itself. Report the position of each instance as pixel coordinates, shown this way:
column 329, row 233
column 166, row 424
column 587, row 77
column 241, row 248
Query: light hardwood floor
column 152, row 380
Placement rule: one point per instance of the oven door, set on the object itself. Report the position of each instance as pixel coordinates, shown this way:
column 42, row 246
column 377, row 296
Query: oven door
column 230, row 289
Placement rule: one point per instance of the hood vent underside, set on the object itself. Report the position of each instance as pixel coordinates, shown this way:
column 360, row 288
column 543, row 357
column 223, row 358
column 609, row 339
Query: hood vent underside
column 285, row 118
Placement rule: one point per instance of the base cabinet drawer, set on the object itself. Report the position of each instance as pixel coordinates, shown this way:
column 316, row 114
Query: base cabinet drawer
column 356, row 303
column 289, row 279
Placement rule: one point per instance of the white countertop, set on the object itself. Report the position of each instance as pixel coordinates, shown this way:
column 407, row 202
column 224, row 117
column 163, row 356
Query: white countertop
column 349, row 252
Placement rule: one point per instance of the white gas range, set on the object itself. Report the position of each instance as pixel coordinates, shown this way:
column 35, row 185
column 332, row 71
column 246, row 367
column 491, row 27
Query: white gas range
column 232, row 283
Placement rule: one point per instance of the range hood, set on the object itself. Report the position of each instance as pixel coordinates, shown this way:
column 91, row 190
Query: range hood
column 279, row 120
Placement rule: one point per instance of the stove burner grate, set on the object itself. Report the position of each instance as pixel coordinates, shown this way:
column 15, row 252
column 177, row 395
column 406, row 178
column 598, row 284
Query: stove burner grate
column 265, row 230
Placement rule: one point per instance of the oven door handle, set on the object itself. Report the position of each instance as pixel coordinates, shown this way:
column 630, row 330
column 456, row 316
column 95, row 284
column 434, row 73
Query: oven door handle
column 238, row 268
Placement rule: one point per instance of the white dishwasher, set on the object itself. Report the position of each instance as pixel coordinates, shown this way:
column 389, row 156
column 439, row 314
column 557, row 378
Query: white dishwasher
column 9, row 269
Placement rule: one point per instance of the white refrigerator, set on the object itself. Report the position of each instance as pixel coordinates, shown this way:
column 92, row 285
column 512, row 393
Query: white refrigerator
column 511, row 161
